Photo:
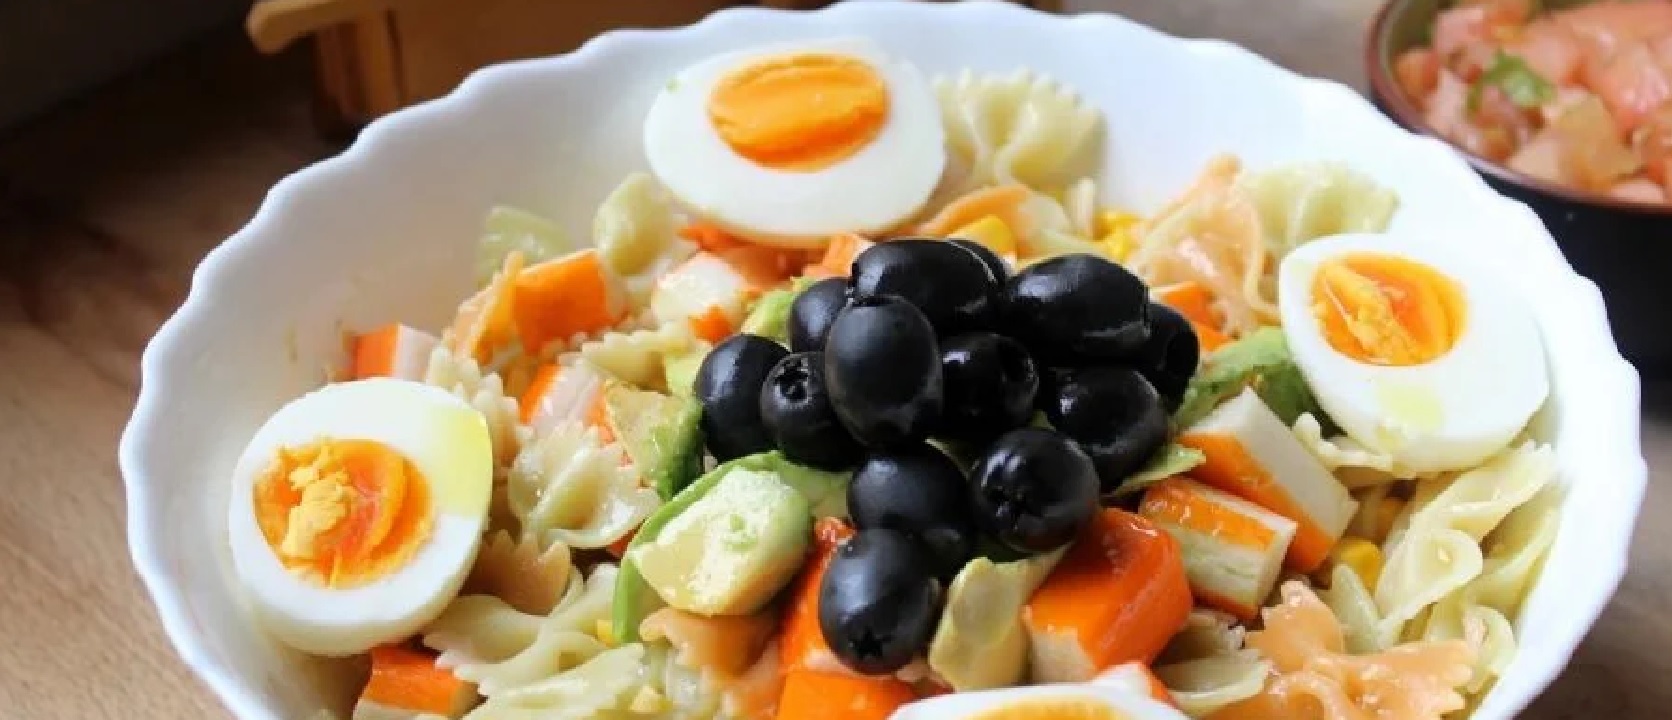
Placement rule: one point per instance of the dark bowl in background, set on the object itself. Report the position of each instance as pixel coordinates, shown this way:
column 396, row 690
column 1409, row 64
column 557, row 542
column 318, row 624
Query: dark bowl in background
column 1625, row 248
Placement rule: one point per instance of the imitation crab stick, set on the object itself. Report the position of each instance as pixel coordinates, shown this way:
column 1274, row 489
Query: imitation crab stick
column 1233, row 549
column 1136, row 678
column 820, row 695
column 568, row 296
column 710, row 237
column 711, row 291
column 801, row 639
column 1195, row 302
column 487, row 320
column 406, row 684
column 1117, row 596
column 1250, row 453
column 394, row 350
column 559, row 394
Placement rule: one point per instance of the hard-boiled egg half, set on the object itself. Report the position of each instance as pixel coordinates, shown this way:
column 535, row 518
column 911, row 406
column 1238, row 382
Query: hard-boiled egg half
column 1413, row 351
column 1126, row 694
column 356, row 511
column 790, row 143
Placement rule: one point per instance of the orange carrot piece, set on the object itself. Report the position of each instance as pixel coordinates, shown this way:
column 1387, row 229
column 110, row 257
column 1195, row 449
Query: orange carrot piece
column 406, row 679
column 1118, row 595
column 838, row 256
column 561, row 298
column 712, row 325
column 544, row 378
column 1003, row 202
column 801, row 638
column 710, row 237
column 818, row 695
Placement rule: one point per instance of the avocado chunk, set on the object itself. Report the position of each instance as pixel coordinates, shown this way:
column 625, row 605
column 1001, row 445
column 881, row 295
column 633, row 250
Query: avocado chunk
column 1261, row 360
column 732, row 550
column 770, row 315
column 662, row 434
column 826, row 491
column 1172, row 459
column 981, row 642
column 680, row 369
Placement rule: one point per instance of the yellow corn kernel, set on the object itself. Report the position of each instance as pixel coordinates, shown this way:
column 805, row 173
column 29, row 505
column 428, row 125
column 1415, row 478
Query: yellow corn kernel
column 604, row 632
column 1386, row 513
column 649, row 701
column 1109, row 221
column 990, row 232
column 1119, row 244
column 1362, row 557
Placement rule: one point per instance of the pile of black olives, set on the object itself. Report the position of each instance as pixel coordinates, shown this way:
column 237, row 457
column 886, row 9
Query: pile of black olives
column 936, row 339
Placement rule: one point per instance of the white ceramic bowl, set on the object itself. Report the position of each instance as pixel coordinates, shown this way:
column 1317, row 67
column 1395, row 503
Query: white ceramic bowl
column 386, row 232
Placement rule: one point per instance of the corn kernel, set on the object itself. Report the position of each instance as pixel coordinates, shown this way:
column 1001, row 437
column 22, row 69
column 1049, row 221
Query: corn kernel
column 1362, row 557
column 1119, row 244
column 1386, row 513
column 649, row 701
column 990, row 232
column 1109, row 221
column 604, row 632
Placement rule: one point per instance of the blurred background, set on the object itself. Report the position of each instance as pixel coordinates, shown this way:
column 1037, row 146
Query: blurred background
column 135, row 135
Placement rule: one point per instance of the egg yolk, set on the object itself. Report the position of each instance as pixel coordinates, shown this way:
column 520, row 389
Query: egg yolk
column 1387, row 310
column 1058, row 708
column 342, row 512
column 801, row 112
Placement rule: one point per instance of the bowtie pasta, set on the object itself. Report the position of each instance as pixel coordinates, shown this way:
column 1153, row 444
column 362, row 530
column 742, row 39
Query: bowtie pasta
column 853, row 404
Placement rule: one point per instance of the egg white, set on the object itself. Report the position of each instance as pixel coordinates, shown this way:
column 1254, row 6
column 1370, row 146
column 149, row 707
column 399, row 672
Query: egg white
column 444, row 438
column 1448, row 414
column 1127, row 703
column 874, row 190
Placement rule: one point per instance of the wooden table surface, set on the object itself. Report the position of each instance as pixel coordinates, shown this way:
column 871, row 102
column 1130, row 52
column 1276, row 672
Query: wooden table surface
column 105, row 209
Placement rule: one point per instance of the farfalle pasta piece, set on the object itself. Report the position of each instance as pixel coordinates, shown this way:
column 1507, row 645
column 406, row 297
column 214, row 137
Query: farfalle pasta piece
column 462, row 376
column 1206, row 668
column 1315, row 679
column 486, row 641
column 725, row 653
column 1304, row 201
column 526, row 577
column 569, row 487
column 1355, row 465
column 1015, row 128
column 639, row 356
column 602, row 687
column 1439, row 550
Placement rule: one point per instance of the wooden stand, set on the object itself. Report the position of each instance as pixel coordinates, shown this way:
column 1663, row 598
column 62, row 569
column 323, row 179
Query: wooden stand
column 376, row 56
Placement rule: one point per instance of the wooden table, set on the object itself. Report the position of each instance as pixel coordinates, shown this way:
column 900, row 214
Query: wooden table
column 104, row 211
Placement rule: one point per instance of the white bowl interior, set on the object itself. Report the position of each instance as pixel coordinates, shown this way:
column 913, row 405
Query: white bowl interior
column 386, row 232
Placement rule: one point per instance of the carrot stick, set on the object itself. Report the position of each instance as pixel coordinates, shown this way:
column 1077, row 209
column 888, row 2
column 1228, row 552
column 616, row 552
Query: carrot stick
column 818, row 695
column 1118, row 596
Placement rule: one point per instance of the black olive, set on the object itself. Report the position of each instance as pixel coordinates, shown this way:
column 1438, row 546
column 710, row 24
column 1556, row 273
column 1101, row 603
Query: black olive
column 950, row 284
column 1077, row 309
column 795, row 405
column 916, row 490
column 728, row 385
column 994, row 263
column 882, row 367
column 1170, row 357
column 1034, row 490
column 879, row 603
column 814, row 310
column 1114, row 414
column 990, row 386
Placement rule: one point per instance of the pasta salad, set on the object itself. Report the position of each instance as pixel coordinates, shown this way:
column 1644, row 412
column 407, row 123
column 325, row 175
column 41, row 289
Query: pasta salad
column 861, row 403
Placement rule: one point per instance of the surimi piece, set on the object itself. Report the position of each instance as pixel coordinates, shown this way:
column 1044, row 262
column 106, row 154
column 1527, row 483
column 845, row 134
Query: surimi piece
column 564, row 297
column 1135, row 678
column 1118, row 595
column 838, row 256
column 405, row 684
column 1233, row 549
column 394, row 351
column 1252, row 454
column 559, row 394
column 711, row 291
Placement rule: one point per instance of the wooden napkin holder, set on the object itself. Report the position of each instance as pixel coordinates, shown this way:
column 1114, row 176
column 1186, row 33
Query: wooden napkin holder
column 373, row 57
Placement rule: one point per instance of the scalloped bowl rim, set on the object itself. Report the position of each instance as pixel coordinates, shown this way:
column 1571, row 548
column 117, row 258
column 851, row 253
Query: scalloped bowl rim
column 1613, row 388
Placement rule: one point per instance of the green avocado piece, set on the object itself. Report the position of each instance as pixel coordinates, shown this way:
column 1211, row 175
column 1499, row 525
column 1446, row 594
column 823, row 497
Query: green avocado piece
column 826, row 491
column 661, row 434
column 770, row 315
column 732, row 550
column 1261, row 360
column 1172, row 459
column 981, row 643
column 680, row 369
